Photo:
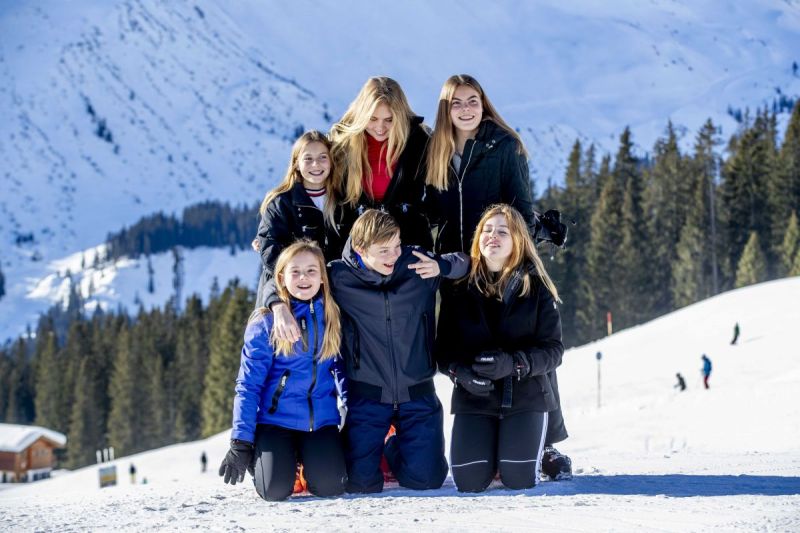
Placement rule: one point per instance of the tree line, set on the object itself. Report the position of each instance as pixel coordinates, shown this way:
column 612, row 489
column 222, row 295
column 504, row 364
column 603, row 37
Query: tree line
column 658, row 232
column 132, row 382
column 652, row 233
column 209, row 223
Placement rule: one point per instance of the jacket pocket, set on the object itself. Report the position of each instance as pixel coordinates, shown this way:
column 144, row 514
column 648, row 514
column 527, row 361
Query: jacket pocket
column 276, row 396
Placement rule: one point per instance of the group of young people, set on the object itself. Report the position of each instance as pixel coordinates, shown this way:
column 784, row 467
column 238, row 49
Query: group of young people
column 339, row 356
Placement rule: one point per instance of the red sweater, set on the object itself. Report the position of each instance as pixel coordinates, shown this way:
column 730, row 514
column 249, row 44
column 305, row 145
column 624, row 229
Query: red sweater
column 381, row 175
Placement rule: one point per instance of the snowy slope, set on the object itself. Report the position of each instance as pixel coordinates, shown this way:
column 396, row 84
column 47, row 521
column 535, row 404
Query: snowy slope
column 115, row 110
column 124, row 283
column 649, row 458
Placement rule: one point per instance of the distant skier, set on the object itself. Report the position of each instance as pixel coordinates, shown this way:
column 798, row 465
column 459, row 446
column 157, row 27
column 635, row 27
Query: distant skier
column 681, row 384
column 735, row 334
column 706, row 369
column 203, row 461
column 132, row 471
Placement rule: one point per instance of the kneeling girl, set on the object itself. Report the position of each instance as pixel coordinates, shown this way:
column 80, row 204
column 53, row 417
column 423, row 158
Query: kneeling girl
column 285, row 409
column 499, row 336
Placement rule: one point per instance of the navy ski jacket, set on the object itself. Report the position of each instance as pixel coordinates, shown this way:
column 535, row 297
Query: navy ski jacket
column 389, row 323
column 296, row 391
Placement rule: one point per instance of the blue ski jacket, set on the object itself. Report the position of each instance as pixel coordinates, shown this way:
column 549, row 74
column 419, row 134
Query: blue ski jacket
column 297, row 391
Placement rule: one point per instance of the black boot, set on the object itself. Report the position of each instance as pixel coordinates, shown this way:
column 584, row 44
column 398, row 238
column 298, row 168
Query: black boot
column 555, row 465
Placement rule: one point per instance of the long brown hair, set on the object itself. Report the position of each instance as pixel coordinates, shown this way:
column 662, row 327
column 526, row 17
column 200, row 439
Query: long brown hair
column 523, row 251
column 348, row 135
column 332, row 337
column 443, row 142
column 293, row 176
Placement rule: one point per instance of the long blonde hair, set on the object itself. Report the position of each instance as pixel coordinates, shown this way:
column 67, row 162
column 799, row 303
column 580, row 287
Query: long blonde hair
column 293, row 176
column 443, row 142
column 350, row 143
column 332, row 337
column 523, row 251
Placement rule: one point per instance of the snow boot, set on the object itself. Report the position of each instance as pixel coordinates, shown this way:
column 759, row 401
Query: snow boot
column 555, row 465
column 300, row 484
column 388, row 475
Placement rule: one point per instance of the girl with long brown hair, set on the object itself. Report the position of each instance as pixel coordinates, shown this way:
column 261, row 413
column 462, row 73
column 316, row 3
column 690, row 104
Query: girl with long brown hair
column 499, row 339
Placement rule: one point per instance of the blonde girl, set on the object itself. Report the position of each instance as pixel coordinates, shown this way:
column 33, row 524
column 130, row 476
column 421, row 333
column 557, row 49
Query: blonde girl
column 379, row 152
column 303, row 206
column 285, row 410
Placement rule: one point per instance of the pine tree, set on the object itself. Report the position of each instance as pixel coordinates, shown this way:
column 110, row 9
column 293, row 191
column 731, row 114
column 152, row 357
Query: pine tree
column 602, row 263
column 791, row 243
column 50, row 401
column 753, row 265
column 87, row 423
column 125, row 419
column 744, row 197
column 789, row 158
column 795, row 270
column 631, row 277
column 666, row 196
column 191, row 356
column 224, row 355
column 20, row 406
column 694, row 272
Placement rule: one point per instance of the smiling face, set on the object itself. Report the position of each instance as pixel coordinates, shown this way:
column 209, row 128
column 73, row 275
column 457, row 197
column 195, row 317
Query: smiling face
column 303, row 276
column 466, row 110
column 380, row 123
column 381, row 257
column 495, row 242
column 314, row 164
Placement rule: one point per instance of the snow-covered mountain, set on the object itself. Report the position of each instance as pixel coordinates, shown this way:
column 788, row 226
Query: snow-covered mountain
column 649, row 458
column 115, row 110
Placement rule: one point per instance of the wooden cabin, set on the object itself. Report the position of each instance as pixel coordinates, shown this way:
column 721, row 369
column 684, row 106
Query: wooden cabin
column 26, row 452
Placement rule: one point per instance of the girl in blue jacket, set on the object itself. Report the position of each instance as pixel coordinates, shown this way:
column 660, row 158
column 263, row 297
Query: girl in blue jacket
column 285, row 410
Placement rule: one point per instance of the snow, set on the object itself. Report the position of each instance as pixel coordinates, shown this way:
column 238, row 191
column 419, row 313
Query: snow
column 15, row 438
column 649, row 458
column 202, row 98
column 123, row 283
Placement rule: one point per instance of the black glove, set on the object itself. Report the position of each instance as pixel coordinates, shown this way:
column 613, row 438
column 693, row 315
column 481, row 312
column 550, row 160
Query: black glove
column 238, row 460
column 473, row 384
column 494, row 364
column 549, row 228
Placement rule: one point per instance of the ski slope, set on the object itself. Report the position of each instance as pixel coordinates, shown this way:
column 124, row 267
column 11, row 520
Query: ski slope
column 648, row 459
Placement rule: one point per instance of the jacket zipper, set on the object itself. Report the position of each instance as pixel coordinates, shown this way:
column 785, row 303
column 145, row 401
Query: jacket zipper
column 276, row 396
column 391, row 346
column 313, row 370
column 460, row 194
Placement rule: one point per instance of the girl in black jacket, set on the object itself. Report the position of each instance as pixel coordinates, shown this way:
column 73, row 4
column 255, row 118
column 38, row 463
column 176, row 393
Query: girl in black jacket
column 380, row 150
column 499, row 337
column 475, row 160
column 303, row 206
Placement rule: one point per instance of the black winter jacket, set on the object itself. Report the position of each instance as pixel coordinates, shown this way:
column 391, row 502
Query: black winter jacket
column 492, row 171
column 388, row 324
column 529, row 326
column 405, row 197
column 290, row 216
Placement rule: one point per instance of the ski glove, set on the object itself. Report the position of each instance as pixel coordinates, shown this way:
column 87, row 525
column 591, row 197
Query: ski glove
column 472, row 383
column 238, row 460
column 494, row 364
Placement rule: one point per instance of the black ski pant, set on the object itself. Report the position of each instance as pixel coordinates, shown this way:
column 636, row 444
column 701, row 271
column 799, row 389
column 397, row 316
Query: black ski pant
column 278, row 450
column 483, row 445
